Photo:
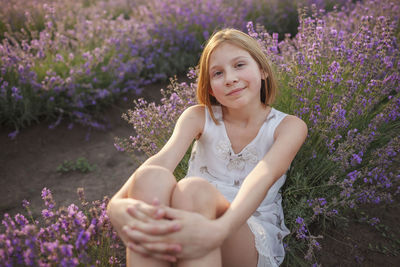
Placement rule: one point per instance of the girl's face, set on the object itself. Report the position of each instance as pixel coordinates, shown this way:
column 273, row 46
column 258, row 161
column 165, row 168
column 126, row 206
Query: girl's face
column 235, row 76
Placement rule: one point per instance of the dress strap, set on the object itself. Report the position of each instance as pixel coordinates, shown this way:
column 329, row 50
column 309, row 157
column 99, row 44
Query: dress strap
column 217, row 110
column 274, row 119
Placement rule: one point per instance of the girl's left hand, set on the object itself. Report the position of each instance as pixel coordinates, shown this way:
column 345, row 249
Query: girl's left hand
column 197, row 237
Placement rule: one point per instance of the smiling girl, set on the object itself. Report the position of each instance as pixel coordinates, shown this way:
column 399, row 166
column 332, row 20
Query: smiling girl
column 227, row 210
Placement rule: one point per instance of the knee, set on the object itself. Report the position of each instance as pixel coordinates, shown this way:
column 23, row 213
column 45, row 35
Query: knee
column 151, row 180
column 197, row 195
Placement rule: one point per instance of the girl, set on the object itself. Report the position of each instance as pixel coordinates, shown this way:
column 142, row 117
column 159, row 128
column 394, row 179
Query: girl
column 227, row 211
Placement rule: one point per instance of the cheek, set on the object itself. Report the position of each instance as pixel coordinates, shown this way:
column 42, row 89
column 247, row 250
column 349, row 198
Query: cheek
column 215, row 87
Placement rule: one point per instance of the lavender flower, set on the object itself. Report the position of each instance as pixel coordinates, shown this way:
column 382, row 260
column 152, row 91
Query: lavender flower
column 66, row 240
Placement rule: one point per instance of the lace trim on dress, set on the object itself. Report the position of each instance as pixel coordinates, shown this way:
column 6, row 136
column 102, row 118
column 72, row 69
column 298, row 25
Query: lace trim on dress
column 236, row 161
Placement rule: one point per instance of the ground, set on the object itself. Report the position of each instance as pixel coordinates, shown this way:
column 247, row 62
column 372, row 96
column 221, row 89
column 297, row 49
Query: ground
column 29, row 163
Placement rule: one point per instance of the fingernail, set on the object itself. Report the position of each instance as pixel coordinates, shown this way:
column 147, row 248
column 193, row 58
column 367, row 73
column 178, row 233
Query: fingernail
column 156, row 202
column 159, row 212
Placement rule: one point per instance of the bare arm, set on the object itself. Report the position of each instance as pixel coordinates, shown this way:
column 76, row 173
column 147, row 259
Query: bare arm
column 189, row 125
column 289, row 136
column 121, row 208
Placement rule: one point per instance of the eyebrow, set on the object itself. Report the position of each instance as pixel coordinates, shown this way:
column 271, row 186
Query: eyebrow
column 233, row 59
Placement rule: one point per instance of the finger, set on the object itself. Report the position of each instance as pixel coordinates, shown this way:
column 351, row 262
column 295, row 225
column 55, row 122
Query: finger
column 156, row 202
column 161, row 227
column 149, row 210
column 138, row 249
column 141, row 237
column 134, row 212
column 173, row 214
column 155, row 227
column 160, row 212
column 162, row 248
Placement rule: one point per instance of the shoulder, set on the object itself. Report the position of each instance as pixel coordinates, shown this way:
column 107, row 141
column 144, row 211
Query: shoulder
column 195, row 112
column 293, row 126
column 193, row 118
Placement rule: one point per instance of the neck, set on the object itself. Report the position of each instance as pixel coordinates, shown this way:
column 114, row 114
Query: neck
column 246, row 115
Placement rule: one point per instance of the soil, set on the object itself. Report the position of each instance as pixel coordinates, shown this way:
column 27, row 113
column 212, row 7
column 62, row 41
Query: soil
column 29, row 163
column 357, row 243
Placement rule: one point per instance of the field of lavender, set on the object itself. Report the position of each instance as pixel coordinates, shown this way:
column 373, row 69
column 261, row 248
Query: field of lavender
column 339, row 72
column 64, row 60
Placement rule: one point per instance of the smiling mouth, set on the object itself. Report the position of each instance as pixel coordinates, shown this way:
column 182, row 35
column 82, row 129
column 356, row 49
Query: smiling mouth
column 235, row 91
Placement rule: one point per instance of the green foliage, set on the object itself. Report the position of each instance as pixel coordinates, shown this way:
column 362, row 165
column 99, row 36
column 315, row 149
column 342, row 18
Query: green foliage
column 181, row 169
column 81, row 164
column 271, row 15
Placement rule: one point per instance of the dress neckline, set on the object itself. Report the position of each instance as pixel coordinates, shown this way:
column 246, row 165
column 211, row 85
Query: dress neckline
column 270, row 115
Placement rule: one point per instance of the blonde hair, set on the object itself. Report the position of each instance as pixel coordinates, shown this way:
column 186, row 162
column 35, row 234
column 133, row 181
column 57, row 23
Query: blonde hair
column 245, row 42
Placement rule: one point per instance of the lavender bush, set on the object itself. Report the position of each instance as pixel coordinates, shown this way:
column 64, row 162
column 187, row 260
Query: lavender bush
column 68, row 236
column 153, row 123
column 69, row 59
column 340, row 74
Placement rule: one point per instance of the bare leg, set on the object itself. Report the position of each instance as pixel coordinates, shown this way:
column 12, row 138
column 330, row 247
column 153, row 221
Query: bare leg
column 150, row 182
column 198, row 195
column 239, row 249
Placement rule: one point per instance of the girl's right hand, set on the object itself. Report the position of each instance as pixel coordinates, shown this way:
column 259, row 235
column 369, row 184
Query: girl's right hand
column 131, row 214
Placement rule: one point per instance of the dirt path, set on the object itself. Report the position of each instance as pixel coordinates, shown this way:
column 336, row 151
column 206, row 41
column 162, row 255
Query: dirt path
column 29, row 163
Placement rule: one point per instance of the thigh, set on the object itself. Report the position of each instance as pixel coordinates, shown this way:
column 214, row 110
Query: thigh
column 239, row 249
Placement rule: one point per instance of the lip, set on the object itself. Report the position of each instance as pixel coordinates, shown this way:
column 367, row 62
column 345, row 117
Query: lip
column 235, row 91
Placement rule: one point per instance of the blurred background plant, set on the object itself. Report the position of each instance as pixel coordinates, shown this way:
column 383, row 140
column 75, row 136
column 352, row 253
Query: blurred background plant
column 71, row 59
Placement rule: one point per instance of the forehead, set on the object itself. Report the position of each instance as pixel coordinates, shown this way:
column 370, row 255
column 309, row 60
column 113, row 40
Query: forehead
column 226, row 52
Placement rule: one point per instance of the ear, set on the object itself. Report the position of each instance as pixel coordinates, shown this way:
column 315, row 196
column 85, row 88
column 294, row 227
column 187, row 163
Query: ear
column 211, row 92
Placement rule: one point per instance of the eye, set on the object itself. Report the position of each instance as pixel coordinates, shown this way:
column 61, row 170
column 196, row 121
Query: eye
column 217, row 73
column 240, row 64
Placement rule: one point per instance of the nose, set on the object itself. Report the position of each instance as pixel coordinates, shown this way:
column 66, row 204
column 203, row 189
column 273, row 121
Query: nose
column 230, row 77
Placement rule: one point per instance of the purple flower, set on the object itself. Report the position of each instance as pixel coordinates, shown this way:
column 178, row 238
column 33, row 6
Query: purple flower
column 301, row 230
column 66, row 250
column 118, row 147
column 29, row 257
column 13, row 134
column 356, row 158
column 25, row 203
column 83, row 239
column 47, row 213
column 21, row 220
column 334, row 67
column 16, row 94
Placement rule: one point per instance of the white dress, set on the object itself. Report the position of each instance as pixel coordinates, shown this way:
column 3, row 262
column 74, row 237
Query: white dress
column 213, row 159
